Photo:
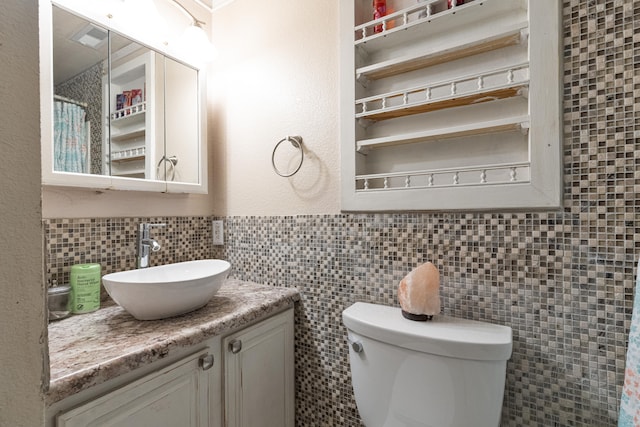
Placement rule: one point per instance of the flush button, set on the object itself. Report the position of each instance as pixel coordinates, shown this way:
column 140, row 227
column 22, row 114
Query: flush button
column 355, row 345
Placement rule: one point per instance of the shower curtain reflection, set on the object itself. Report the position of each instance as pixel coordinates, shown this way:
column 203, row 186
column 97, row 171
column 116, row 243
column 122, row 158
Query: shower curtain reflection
column 71, row 137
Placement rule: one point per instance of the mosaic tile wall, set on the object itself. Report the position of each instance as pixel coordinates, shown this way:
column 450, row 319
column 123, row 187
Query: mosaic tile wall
column 565, row 295
column 562, row 280
column 111, row 242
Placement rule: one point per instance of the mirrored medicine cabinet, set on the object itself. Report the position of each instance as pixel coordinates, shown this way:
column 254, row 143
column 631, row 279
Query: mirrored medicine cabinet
column 121, row 114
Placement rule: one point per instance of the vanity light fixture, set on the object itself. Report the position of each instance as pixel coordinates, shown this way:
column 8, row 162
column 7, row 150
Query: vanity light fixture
column 194, row 41
column 193, row 44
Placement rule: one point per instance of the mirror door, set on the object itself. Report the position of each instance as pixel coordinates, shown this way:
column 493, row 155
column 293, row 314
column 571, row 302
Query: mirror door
column 122, row 111
column 134, row 109
column 181, row 123
column 78, row 126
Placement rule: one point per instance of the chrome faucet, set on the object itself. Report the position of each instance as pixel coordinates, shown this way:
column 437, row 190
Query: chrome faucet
column 146, row 244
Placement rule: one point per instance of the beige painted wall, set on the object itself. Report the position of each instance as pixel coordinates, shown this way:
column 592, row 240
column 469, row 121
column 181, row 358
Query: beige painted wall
column 67, row 202
column 277, row 74
column 22, row 324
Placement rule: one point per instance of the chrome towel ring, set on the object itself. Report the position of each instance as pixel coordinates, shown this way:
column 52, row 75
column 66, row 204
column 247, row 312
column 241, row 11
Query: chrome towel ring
column 296, row 141
column 173, row 161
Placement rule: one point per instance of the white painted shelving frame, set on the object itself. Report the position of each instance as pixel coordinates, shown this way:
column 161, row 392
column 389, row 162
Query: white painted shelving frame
column 451, row 109
column 129, row 138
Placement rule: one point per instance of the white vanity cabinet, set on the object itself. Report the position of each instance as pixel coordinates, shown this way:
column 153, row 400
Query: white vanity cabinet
column 241, row 378
column 259, row 374
column 448, row 107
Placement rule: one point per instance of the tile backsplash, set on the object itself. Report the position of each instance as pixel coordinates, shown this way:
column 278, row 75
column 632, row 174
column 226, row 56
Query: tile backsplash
column 562, row 280
column 111, row 242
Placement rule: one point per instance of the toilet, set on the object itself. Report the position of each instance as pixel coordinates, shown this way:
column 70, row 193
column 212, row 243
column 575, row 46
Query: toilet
column 444, row 372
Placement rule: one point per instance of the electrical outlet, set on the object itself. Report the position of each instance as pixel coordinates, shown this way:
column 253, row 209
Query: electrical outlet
column 218, row 232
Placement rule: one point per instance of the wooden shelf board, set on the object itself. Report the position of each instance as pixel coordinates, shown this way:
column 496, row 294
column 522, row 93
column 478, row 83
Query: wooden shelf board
column 483, row 128
column 411, row 63
column 458, row 101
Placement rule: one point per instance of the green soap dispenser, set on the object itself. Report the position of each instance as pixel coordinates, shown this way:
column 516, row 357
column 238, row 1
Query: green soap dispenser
column 85, row 288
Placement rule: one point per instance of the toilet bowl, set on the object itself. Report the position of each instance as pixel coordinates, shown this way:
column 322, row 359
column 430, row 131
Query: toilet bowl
column 444, row 372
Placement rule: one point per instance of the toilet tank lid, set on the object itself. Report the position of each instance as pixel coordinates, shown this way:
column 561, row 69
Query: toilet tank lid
column 444, row 335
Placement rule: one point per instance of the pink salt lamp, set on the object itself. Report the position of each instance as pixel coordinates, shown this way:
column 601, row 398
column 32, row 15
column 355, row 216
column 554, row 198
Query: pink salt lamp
column 419, row 293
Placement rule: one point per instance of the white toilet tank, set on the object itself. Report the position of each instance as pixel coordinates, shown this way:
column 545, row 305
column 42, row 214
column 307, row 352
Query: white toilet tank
column 444, row 372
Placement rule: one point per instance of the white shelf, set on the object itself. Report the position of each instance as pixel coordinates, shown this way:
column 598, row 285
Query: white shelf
column 513, row 124
column 130, row 169
column 512, row 173
column 127, row 135
column 129, row 113
column 128, row 159
column 128, row 155
column 409, row 24
column 494, row 40
column 467, row 90
column 139, row 173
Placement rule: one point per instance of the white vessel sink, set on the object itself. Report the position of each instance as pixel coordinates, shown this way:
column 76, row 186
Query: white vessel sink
column 166, row 290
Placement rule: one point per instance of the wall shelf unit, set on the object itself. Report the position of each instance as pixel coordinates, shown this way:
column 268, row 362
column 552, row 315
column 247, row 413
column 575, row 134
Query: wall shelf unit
column 460, row 108
column 128, row 144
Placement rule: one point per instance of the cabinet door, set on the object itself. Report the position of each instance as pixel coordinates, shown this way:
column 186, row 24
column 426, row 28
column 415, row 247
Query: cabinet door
column 174, row 396
column 259, row 369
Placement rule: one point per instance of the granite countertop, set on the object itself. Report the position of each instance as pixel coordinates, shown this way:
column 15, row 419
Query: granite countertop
column 89, row 349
